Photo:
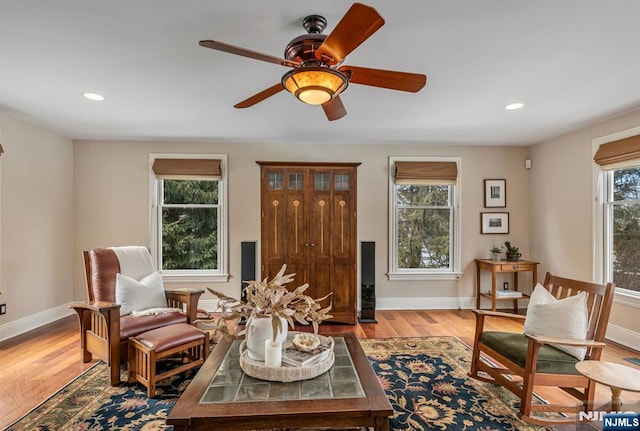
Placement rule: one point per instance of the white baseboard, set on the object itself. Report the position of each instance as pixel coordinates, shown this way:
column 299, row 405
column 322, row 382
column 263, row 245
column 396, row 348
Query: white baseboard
column 624, row 336
column 34, row 321
column 443, row 303
column 436, row 303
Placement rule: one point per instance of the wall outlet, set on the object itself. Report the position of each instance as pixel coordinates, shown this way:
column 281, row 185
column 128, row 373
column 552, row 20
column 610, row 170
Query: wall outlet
column 3, row 309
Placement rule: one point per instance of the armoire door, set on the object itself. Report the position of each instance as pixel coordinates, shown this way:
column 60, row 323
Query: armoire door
column 309, row 224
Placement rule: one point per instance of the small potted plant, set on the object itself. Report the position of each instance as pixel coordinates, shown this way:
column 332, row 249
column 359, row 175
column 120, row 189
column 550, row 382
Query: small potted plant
column 496, row 252
column 512, row 252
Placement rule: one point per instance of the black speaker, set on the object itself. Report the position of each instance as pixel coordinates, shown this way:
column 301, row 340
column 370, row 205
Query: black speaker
column 368, row 280
column 247, row 264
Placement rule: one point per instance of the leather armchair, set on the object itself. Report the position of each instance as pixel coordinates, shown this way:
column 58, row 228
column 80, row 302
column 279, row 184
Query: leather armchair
column 104, row 333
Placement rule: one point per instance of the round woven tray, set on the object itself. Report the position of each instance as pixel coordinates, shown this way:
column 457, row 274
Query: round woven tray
column 285, row 373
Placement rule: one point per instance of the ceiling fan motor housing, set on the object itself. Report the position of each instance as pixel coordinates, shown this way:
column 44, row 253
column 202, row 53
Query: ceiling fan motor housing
column 302, row 48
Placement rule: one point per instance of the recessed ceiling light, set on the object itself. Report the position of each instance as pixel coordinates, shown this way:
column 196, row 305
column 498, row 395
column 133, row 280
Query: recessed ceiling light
column 93, row 96
column 514, row 106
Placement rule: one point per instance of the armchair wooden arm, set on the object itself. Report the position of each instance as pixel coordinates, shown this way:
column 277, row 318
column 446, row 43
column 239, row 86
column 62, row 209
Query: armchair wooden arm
column 186, row 299
column 98, row 321
column 543, row 339
column 481, row 314
column 498, row 314
column 95, row 306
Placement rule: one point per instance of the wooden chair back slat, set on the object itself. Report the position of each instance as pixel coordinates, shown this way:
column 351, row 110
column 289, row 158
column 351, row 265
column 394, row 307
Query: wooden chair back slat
column 599, row 298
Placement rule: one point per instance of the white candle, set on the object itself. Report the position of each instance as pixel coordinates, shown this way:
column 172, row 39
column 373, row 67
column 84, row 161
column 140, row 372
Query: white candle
column 272, row 353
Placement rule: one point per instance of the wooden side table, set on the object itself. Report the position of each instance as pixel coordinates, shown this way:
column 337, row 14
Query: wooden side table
column 498, row 266
column 617, row 376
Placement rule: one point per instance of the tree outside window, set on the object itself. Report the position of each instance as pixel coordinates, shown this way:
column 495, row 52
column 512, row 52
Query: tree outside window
column 624, row 228
column 189, row 211
column 424, row 226
column 424, row 218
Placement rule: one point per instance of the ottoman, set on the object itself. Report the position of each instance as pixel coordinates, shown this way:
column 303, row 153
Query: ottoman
column 181, row 340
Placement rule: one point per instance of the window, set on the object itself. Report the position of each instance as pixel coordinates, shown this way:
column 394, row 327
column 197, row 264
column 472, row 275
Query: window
column 619, row 245
column 424, row 218
column 622, row 230
column 188, row 213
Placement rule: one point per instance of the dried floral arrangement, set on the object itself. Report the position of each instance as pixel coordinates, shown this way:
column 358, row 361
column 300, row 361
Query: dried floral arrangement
column 271, row 299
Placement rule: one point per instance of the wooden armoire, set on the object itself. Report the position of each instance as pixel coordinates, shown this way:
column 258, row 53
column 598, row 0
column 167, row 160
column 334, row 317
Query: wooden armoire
column 309, row 223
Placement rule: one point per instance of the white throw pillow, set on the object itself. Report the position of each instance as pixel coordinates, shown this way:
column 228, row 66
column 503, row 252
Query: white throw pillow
column 133, row 295
column 565, row 318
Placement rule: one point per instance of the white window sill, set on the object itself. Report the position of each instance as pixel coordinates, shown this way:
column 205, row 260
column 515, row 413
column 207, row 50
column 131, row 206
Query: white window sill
column 626, row 297
column 194, row 277
column 424, row 276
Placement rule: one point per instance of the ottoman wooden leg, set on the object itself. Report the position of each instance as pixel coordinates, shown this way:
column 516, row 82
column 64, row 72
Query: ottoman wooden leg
column 151, row 367
column 154, row 345
column 142, row 366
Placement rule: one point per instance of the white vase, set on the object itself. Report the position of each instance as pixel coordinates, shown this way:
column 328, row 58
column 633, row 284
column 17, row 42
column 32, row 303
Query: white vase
column 259, row 330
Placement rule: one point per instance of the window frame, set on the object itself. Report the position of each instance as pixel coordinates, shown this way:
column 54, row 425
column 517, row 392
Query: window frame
column 454, row 272
column 608, row 206
column 219, row 275
column 602, row 232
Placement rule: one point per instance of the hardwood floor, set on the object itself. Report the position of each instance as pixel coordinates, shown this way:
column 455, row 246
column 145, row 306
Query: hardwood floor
column 35, row 365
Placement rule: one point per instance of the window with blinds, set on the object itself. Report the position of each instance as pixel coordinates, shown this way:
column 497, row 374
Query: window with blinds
column 189, row 216
column 620, row 162
column 424, row 219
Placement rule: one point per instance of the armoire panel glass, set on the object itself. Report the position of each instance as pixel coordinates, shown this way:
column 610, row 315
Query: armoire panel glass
column 274, row 181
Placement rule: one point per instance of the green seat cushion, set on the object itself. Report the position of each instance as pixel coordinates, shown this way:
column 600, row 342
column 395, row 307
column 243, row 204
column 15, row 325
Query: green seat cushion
column 514, row 347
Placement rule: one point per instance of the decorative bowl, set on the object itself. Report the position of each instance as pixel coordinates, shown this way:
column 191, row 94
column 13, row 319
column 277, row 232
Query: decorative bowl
column 305, row 342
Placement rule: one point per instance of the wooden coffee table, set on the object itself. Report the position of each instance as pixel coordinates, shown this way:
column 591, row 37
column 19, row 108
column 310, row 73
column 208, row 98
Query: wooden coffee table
column 221, row 396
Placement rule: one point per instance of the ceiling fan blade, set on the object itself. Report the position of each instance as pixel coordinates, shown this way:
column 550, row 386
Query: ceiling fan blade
column 402, row 81
column 334, row 109
column 356, row 26
column 259, row 97
column 221, row 46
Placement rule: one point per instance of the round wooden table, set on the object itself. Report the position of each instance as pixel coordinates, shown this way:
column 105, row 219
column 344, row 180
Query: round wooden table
column 617, row 376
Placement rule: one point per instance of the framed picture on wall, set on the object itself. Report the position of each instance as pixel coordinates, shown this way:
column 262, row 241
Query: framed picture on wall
column 494, row 223
column 495, row 193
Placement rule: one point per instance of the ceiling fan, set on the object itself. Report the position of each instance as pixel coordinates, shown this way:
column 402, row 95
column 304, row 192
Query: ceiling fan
column 318, row 76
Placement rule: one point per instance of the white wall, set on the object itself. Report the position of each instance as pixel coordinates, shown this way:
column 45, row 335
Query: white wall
column 112, row 201
column 561, row 213
column 47, row 182
column 37, row 225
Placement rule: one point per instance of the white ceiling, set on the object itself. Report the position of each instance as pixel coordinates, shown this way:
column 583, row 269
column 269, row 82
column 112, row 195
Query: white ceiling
column 571, row 62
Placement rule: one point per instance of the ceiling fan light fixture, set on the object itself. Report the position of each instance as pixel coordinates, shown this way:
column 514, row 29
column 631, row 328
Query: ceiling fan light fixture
column 314, row 85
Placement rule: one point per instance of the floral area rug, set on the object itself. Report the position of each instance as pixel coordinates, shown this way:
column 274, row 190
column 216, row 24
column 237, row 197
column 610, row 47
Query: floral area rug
column 425, row 379
column 426, row 382
column 91, row 403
